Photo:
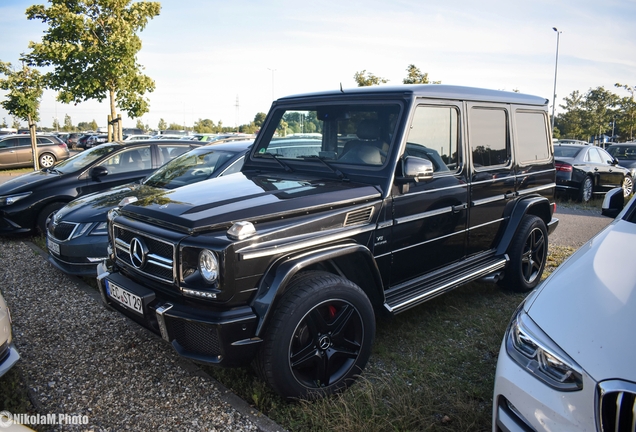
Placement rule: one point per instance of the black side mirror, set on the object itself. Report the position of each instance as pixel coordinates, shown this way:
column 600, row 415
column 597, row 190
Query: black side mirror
column 613, row 202
column 98, row 171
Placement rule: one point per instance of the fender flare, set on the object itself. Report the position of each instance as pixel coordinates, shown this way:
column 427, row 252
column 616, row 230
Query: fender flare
column 522, row 208
column 276, row 280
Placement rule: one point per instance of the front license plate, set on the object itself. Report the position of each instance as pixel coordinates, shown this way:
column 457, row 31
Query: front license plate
column 124, row 297
column 52, row 246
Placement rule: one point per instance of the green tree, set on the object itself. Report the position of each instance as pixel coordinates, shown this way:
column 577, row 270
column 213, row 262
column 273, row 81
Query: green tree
column 175, row 126
column 4, row 123
column 56, row 125
column 204, row 126
column 68, row 124
column 25, row 87
column 598, row 110
column 415, row 76
column 92, row 46
column 162, row 125
column 365, row 79
column 572, row 121
column 626, row 120
column 259, row 119
column 16, row 123
column 93, row 125
column 140, row 125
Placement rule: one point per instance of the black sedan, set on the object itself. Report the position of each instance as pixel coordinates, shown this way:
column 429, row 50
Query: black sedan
column 585, row 170
column 27, row 201
column 626, row 155
column 77, row 236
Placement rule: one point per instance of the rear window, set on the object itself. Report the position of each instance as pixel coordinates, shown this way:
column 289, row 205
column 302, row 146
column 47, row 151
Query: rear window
column 569, row 152
column 532, row 137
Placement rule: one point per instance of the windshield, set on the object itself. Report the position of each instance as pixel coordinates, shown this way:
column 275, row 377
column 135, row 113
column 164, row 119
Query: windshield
column 85, row 158
column 623, row 152
column 191, row 167
column 341, row 134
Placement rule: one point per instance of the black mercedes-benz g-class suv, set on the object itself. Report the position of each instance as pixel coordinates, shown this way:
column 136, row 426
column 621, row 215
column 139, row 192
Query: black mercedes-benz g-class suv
column 350, row 203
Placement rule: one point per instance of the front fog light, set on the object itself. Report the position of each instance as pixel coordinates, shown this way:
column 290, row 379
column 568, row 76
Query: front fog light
column 208, row 266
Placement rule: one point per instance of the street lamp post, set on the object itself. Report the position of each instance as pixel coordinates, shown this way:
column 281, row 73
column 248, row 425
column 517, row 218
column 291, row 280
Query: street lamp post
column 556, row 64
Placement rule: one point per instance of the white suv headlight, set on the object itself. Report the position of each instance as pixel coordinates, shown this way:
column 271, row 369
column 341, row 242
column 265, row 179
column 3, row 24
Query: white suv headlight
column 534, row 351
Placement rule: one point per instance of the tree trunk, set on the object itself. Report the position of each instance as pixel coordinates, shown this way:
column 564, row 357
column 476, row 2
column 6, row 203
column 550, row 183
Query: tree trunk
column 34, row 148
column 113, row 115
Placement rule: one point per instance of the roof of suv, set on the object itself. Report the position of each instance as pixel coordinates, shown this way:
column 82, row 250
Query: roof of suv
column 437, row 91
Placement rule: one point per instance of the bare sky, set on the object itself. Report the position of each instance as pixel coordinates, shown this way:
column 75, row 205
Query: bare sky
column 207, row 55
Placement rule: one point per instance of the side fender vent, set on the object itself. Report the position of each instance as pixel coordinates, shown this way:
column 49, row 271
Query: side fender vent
column 358, row 216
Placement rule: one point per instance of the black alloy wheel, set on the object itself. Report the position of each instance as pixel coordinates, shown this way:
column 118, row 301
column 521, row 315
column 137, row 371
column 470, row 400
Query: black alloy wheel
column 319, row 339
column 528, row 253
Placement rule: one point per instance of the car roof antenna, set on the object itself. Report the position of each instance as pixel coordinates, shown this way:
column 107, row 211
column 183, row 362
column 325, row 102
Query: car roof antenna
column 341, row 90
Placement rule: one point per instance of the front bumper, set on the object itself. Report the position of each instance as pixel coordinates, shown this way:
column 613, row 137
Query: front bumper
column 522, row 403
column 224, row 338
column 79, row 256
column 8, row 226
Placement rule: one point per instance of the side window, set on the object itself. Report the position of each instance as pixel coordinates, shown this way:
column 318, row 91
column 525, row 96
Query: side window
column 169, row 152
column 11, row 142
column 45, row 141
column 605, row 156
column 133, row 159
column 24, row 142
column 532, row 137
column 489, row 141
column 234, row 168
column 593, row 156
column 434, row 136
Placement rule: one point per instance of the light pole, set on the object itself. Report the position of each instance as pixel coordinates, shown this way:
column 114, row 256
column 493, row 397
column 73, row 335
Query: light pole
column 556, row 64
column 273, row 70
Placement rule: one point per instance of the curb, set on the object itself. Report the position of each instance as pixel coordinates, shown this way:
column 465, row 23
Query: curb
column 262, row 422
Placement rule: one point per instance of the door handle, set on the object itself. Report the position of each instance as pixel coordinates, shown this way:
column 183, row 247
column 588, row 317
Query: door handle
column 458, row 208
column 510, row 195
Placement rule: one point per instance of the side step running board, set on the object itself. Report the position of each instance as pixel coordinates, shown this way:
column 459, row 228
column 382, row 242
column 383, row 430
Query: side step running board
column 413, row 293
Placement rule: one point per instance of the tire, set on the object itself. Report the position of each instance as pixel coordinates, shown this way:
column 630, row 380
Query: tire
column 319, row 338
column 528, row 253
column 45, row 213
column 586, row 190
column 628, row 186
column 47, row 160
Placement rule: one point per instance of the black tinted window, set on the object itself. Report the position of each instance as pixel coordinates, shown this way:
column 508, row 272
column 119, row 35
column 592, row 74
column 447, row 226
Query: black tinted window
column 489, row 137
column 532, row 137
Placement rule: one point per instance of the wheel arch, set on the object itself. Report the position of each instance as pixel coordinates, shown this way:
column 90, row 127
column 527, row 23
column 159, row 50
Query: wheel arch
column 351, row 261
column 537, row 206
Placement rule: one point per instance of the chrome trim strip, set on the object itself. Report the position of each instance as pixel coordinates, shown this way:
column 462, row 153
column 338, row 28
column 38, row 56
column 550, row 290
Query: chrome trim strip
column 496, row 266
column 497, row 180
column 277, row 250
column 464, row 186
column 536, row 172
column 486, row 224
column 430, row 241
column 487, row 200
column 154, row 259
column 537, row 189
column 424, row 215
column 385, row 224
column 160, row 311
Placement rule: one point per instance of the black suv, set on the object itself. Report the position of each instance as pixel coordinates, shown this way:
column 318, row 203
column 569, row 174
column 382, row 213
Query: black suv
column 349, row 204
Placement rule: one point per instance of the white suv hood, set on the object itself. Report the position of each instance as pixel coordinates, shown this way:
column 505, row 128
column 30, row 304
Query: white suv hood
column 588, row 306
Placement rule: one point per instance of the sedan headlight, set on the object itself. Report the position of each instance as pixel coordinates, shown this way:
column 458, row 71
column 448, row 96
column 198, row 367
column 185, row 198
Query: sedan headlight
column 534, row 351
column 101, row 228
column 208, row 266
column 12, row 199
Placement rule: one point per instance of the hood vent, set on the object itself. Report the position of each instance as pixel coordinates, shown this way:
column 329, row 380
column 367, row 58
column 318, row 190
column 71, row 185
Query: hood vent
column 358, row 216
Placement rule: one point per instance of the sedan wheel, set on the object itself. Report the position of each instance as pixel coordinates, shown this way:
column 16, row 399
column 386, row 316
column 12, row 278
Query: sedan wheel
column 628, row 186
column 585, row 193
column 47, row 160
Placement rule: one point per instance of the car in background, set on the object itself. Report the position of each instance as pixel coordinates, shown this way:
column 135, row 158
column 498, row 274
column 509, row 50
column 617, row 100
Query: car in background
column 27, row 201
column 95, row 140
column 567, row 359
column 77, row 235
column 8, row 353
column 72, row 139
column 16, row 152
column 626, row 155
column 137, row 137
column 584, row 170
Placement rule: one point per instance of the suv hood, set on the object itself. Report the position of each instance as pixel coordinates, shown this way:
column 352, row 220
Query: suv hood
column 224, row 200
column 588, row 306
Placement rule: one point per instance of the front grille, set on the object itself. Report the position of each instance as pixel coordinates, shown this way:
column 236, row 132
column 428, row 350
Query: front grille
column 158, row 259
column 63, row 230
column 617, row 406
column 195, row 337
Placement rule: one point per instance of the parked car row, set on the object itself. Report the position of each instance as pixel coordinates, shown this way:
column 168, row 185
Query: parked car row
column 16, row 151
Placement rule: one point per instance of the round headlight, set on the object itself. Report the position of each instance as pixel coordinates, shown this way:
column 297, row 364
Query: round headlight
column 208, row 266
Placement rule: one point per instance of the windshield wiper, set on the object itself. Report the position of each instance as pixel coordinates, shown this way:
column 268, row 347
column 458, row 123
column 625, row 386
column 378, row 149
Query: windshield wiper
column 333, row 169
column 280, row 162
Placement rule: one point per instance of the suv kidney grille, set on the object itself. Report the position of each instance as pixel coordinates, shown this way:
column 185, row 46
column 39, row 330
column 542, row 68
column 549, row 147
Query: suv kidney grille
column 159, row 254
column 617, row 406
column 358, row 216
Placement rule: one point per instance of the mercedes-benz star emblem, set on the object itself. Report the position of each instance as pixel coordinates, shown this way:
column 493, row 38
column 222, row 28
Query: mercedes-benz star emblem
column 137, row 253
